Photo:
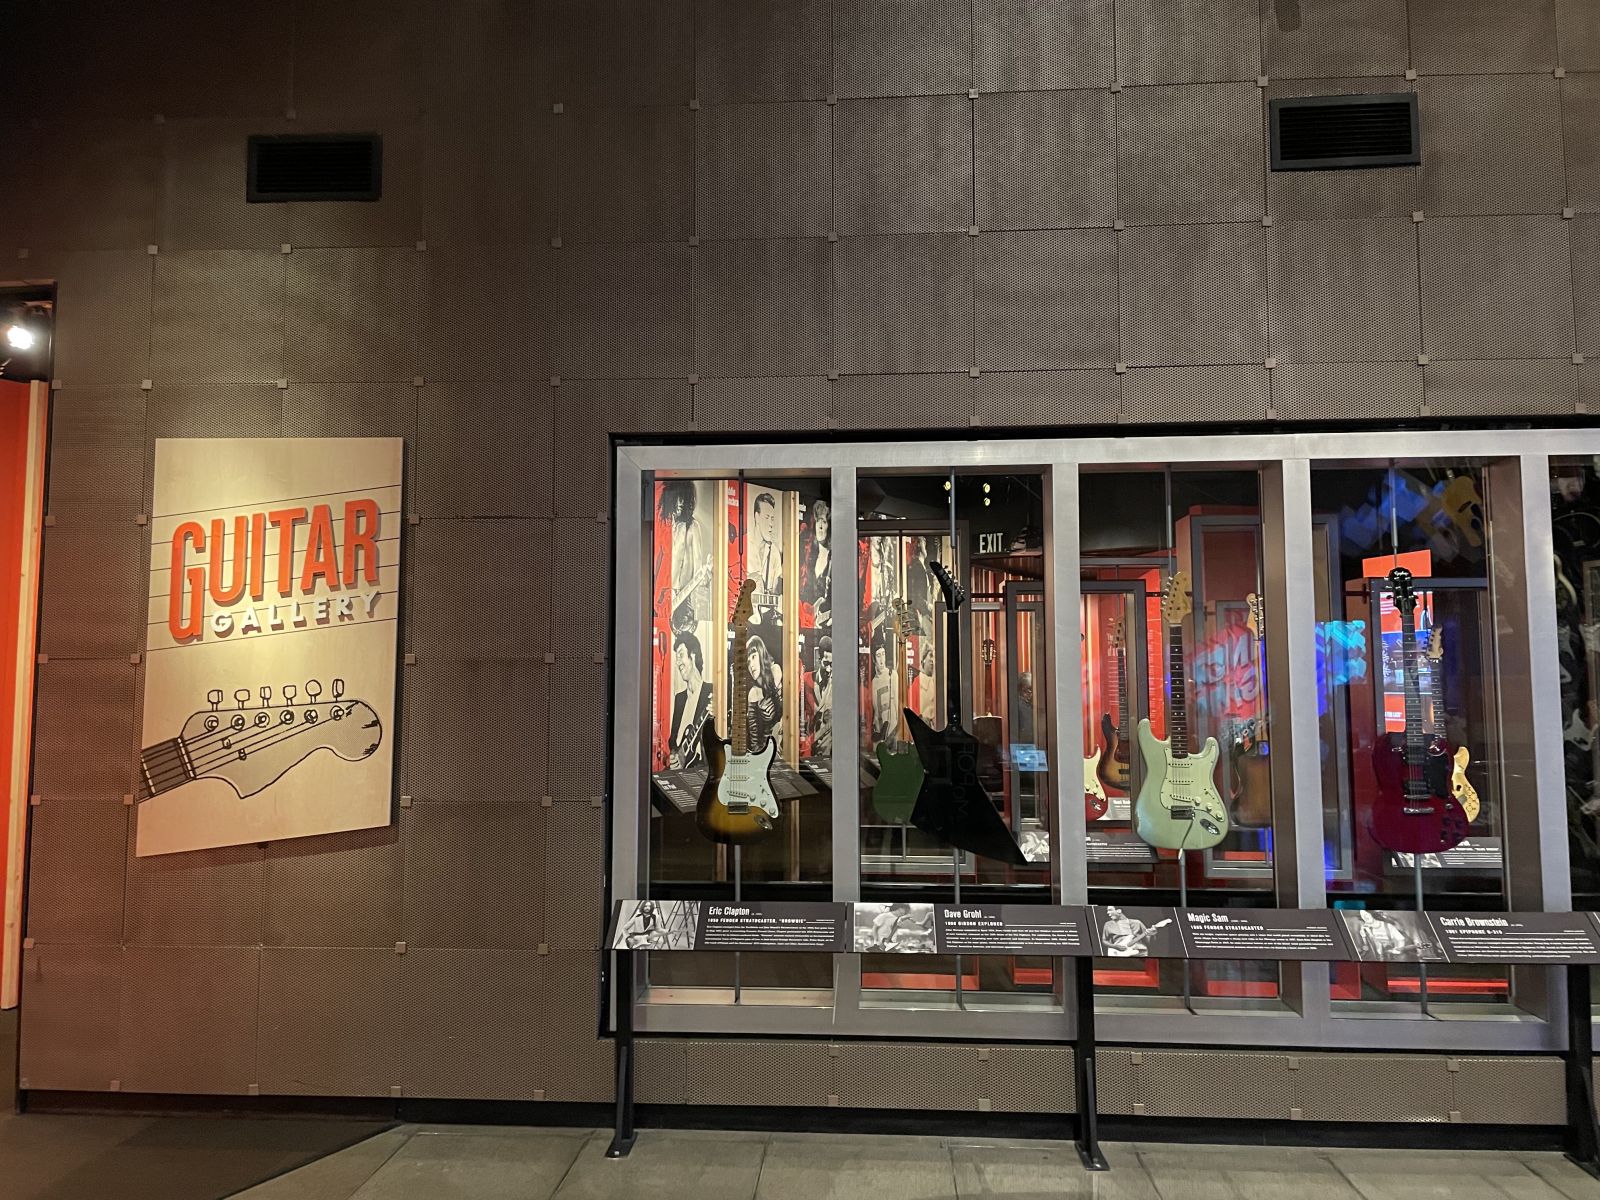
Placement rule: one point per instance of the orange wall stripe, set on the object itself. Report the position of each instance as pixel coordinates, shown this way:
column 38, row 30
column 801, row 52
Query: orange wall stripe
column 23, row 430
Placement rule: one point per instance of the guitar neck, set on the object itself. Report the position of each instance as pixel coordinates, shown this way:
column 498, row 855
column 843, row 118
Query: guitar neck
column 1122, row 693
column 952, row 620
column 163, row 767
column 739, row 727
column 1178, row 708
column 1416, row 737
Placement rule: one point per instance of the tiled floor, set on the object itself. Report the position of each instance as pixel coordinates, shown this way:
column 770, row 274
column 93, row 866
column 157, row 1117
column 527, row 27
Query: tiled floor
column 450, row 1162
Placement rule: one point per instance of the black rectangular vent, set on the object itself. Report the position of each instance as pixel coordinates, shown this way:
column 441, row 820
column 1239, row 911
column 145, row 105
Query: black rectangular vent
column 321, row 166
column 1322, row 133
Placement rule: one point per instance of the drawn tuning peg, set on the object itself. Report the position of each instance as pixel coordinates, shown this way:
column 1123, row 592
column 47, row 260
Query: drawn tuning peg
column 266, row 697
column 313, row 689
column 242, row 696
column 290, row 691
column 215, row 697
column 338, row 689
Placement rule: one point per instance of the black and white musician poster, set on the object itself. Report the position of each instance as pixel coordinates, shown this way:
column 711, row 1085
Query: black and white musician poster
column 655, row 925
column 1136, row 932
column 898, row 928
column 762, row 672
column 683, row 621
column 1383, row 935
column 815, row 632
column 271, row 641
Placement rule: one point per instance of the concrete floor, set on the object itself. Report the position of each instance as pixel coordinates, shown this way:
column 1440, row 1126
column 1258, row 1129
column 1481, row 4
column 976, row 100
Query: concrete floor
column 488, row 1163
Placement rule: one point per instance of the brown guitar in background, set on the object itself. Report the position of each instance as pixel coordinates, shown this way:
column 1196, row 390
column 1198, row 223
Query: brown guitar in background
column 1249, row 753
column 1113, row 763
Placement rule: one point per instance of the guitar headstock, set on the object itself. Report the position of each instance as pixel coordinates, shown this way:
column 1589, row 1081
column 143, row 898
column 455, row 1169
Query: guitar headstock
column 900, row 620
column 252, row 744
column 1175, row 603
column 1405, row 594
column 954, row 594
column 1117, row 638
column 744, row 609
column 1436, row 644
column 1257, row 620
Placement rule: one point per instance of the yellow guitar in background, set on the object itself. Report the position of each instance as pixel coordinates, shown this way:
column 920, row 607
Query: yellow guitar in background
column 1460, row 786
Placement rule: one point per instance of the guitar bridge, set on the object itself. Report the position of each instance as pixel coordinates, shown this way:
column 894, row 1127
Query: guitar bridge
column 1182, row 812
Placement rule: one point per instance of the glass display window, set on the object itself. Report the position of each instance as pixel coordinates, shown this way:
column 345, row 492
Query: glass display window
column 1178, row 787
column 1414, row 794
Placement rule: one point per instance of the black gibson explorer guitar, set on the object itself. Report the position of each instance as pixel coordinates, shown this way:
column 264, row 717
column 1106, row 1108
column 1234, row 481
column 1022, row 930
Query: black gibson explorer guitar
column 953, row 805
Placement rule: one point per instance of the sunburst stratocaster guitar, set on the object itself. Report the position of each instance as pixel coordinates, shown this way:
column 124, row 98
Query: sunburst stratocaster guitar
column 894, row 795
column 250, row 749
column 1178, row 807
column 1414, row 812
column 736, row 805
column 1460, row 786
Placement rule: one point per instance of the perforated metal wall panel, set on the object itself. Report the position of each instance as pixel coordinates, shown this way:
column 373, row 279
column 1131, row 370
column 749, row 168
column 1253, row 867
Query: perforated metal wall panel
column 622, row 310
column 763, row 170
column 615, row 51
column 758, row 1073
column 578, row 1064
column 627, row 174
column 1342, row 291
column 775, row 51
column 198, row 898
column 96, row 467
column 475, row 728
column 1321, row 195
column 1190, row 153
column 1509, row 1091
column 352, row 314
column 902, row 401
column 330, row 1022
column 71, row 1016
column 95, row 190
column 902, row 165
column 887, row 1074
column 1175, row 1083
column 203, row 206
column 574, row 906
column 471, row 294
column 1510, row 388
column 768, row 403
column 1045, row 299
column 394, row 218
column 103, row 621
column 1166, row 394
column 1351, row 392
column 1578, row 25
column 452, row 559
column 659, row 1071
column 1190, row 41
column 1373, row 1087
column 1580, row 107
column 1465, row 36
column 586, row 412
column 902, row 304
column 579, row 629
column 102, row 331
column 1496, row 287
column 1344, row 37
column 1193, row 294
column 83, row 742
column 500, row 848
column 76, row 855
column 1046, row 398
column 487, row 177
column 1035, row 1079
column 342, row 889
column 761, row 307
column 1491, row 144
column 471, row 1023
column 1019, row 46
column 1045, row 159
column 578, row 728
column 353, row 410
column 176, row 999
column 488, row 454
column 885, row 48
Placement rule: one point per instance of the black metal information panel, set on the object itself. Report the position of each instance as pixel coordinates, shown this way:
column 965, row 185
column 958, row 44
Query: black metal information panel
column 1069, row 931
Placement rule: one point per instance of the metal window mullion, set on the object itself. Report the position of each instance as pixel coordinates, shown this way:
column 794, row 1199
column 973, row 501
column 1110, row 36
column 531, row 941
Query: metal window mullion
column 846, row 733
column 630, row 728
column 1063, row 616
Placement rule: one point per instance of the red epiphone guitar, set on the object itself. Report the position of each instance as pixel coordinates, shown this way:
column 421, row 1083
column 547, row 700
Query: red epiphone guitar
column 250, row 749
column 1415, row 812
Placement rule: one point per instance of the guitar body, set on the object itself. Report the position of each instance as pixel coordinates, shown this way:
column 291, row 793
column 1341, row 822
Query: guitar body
column 953, row 805
column 1095, row 804
column 736, row 805
column 1461, row 787
column 1389, row 764
column 899, row 782
column 1417, row 826
column 1178, row 807
column 1115, row 767
column 1252, row 795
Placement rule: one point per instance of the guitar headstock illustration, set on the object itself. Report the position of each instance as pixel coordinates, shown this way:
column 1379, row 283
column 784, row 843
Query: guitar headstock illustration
column 253, row 738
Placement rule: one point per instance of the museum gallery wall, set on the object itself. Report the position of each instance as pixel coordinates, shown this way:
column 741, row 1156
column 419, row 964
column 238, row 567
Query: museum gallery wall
column 682, row 219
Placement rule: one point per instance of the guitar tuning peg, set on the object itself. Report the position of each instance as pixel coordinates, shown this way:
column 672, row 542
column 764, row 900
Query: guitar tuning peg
column 242, row 697
column 313, row 689
column 266, row 697
column 215, row 697
column 290, row 691
column 338, row 689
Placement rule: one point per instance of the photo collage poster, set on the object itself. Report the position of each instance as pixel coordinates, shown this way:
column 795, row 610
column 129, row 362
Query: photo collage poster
column 894, row 575
column 683, row 625
column 757, row 532
column 815, row 631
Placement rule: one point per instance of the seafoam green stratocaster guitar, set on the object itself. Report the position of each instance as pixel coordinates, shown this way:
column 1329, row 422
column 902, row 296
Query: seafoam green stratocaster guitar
column 899, row 767
column 1178, row 807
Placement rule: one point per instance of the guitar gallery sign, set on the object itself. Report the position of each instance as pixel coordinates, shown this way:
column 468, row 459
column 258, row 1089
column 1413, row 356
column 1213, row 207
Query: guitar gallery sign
column 271, row 641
